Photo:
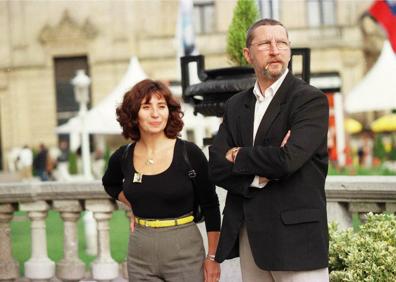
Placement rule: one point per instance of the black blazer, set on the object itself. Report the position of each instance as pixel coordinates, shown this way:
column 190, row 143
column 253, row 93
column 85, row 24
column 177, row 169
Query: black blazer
column 286, row 221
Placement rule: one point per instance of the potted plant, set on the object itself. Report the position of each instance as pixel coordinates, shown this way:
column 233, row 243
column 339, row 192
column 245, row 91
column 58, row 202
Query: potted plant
column 217, row 85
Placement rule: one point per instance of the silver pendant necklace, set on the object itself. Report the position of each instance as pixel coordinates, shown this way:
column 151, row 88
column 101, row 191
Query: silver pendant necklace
column 149, row 161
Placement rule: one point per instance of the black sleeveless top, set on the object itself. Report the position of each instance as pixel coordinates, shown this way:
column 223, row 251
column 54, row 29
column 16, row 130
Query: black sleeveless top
column 168, row 194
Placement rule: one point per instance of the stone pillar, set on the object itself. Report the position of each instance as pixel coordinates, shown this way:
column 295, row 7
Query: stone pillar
column 339, row 213
column 70, row 268
column 8, row 266
column 39, row 266
column 363, row 208
column 391, row 207
column 104, row 267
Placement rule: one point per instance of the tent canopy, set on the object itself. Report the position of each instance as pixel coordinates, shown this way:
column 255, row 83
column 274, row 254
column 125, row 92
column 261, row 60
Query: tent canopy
column 101, row 119
column 377, row 90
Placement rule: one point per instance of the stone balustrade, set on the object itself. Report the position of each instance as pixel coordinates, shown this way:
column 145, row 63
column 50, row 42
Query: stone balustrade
column 345, row 195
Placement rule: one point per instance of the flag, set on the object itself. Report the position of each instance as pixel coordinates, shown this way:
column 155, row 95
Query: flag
column 186, row 28
column 186, row 39
column 384, row 12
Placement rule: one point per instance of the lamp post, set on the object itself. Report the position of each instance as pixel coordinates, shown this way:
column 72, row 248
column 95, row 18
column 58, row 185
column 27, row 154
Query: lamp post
column 81, row 83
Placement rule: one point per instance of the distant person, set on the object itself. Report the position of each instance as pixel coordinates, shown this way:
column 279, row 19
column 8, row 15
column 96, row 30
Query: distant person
column 360, row 154
column 25, row 162
column 151, row 177
column 40, row 163
column 62, row 162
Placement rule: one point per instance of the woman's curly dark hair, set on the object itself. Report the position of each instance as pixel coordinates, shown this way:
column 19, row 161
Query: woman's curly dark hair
column 127, row 112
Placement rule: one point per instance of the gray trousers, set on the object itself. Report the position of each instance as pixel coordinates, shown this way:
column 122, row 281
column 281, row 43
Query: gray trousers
column 174, row 254
column 252, row 273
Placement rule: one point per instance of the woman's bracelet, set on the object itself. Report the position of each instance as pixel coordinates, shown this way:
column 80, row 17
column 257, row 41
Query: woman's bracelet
column 210, row 257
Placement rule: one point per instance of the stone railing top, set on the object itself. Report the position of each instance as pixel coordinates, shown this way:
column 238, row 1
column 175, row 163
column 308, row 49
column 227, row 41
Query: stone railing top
column 338, row 189
column 36, row 191
column 361, row 189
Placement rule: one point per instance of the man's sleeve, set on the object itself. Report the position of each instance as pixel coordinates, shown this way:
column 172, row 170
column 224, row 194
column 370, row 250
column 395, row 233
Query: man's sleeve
column 309, row 126
column 220, row 169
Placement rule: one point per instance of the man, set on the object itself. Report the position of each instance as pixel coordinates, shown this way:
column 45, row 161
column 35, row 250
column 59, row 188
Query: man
column 40, row 163
column 270, row 154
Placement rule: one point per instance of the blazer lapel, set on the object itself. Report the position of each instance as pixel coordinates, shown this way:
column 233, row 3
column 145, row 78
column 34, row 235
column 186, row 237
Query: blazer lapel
column 273, row 109
column 246, row 119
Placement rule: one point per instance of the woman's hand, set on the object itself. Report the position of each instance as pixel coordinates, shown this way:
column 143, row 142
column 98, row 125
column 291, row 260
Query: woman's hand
column 211, row 270
column 132, row 224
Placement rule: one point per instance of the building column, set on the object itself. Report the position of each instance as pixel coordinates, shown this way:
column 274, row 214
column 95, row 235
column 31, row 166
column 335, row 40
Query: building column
column 8, row 266
column 70, row 268
column 39, row 266
column 104, row 267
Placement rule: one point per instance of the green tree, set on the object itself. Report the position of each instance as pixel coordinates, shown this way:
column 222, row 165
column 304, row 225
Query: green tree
column 73, row 163
column 245, row 14
column 392, row 154
column 379, row 148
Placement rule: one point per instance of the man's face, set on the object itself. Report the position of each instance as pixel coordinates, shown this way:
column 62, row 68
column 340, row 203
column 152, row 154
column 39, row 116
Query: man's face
column 269, row 52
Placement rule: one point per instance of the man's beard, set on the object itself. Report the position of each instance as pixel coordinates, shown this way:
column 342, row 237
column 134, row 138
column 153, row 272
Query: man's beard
column 272, row 76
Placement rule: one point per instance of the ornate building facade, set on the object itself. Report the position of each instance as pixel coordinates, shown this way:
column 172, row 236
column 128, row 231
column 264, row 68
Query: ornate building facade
column 42, row 43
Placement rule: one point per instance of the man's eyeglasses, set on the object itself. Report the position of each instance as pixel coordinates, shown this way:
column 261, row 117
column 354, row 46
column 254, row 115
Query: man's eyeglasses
column 267, row 45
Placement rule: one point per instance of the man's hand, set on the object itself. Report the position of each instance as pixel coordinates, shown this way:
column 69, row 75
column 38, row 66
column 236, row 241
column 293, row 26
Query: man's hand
column 231, row 154
column 132, row 224
column 285, row 139
column 263, row 180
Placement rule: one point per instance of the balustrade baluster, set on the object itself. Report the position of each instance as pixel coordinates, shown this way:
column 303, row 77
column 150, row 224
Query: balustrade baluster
column 70, row 268
column 8, row 265
column 104, row 267
column 39, row 266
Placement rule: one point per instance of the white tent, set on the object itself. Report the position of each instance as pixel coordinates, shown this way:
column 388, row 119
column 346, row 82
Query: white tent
column 377, row 90
column 101, row 119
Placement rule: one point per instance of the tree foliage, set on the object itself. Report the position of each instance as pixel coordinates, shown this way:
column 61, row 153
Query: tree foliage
column 245, row 14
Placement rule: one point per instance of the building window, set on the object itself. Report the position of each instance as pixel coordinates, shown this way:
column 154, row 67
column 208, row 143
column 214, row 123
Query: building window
column 204, row 21
column 321, row 13
column 65, row 69
column 269, row 9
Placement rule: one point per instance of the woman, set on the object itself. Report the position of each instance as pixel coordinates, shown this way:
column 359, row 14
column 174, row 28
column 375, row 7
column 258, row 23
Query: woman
column 150, row 177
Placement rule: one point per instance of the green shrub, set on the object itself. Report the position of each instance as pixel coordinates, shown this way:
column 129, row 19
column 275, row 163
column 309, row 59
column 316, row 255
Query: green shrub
column 245, row 14
column 366, row 255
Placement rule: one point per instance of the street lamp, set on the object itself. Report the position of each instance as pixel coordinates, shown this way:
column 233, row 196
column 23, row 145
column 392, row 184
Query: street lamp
column 81, row 83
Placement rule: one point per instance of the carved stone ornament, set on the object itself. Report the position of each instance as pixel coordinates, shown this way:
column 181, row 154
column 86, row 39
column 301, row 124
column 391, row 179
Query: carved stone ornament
column 67, row 30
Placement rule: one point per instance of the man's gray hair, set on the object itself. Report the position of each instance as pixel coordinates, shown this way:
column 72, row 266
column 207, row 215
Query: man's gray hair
column 249, row 34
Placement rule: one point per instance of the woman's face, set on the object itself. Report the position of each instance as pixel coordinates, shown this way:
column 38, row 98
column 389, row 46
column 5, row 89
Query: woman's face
column 153, row 115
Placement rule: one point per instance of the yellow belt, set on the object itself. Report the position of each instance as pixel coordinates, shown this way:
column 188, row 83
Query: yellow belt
column 157, row 223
